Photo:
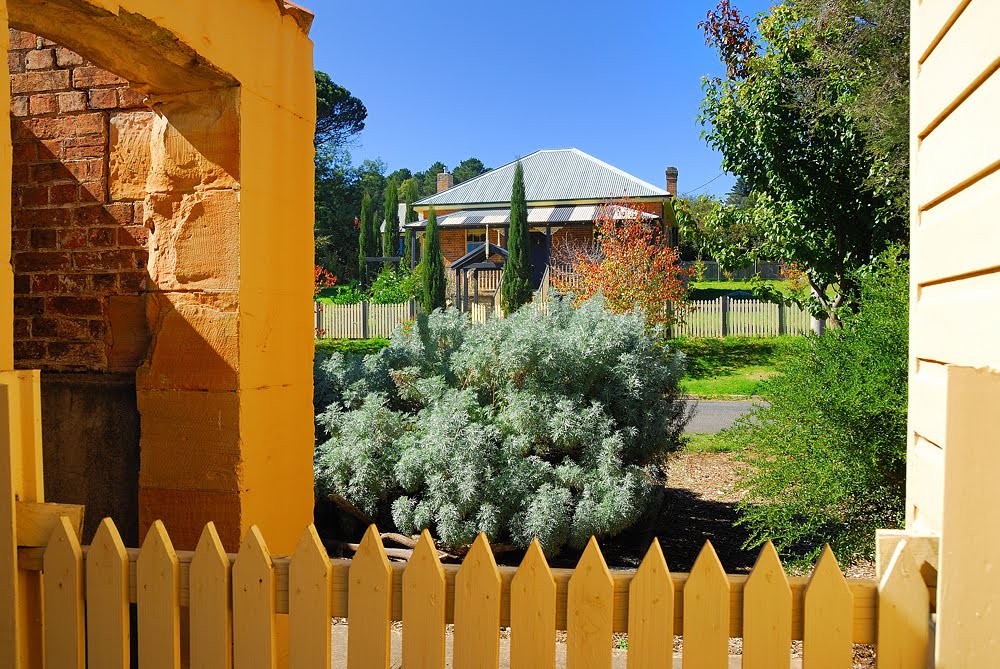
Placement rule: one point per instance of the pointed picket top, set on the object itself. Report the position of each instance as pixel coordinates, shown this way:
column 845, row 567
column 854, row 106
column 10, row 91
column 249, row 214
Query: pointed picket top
column 158, row 575
column 65, row 634
column 369, row 598
column 767, row 614
column 706, row 613
column 424, row 607
column 903, row 612
column 309, row 604
column 107, row 599
column 477, row 609
column 533, row 612
column 650, row 612
column 589, row 609
column 211, row 612
column 254, row 600
column 828, row 610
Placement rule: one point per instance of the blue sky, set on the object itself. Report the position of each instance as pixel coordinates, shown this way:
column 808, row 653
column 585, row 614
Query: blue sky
column 496, row 80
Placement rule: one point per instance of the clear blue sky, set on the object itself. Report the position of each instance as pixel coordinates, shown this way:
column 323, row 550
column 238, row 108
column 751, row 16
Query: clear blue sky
column 450, row 80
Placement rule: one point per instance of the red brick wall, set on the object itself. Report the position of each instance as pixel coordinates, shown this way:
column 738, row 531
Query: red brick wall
column 79, row 243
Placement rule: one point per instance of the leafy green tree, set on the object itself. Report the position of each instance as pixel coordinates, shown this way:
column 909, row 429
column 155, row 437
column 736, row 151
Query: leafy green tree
column 408, row 217
column 469, row 168
column 825, row 454
column 516, row 286
column 339, row 115
column 433, row 270
column 364, row 233
column 390, row 236
column 806, row 171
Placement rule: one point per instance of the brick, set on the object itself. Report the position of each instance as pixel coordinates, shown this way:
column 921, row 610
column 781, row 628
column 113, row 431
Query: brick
column 133, row 235
column 22, row 284
column 93, row 191
column 20, row 175
column 40, row 261
column 40, row 82
column 21, row 39
column 104, row 283
column 50, row 149
column 46, row 218
column 64, row 194
column 45, row 283
column 29, row 306
column 73, row 101
column 129, row 98
column 73, row 329
column 79, row 148
column 90, row 76
column 22, row 328
column 72, row 238
column 40, row 59
column 43, row 103
column 66, row 58
column 120, row 212
column 102, row 98
column 20, row 240
column 44, row 328
column 19, row 107
column 29, row 350
column 92, row 216
column 87, row 169
column 48, row 173
column 65, row 284
column 73, row 306
column 34, row 196
column 43, row 239
column 104, row 260
column 87, row 355
column 132, row 283
column 25, row 152
column 102, row 237
column 15, row 62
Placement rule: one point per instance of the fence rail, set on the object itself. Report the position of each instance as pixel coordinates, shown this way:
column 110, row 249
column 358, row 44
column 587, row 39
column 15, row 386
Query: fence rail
column 727, row 316
column 233, row 599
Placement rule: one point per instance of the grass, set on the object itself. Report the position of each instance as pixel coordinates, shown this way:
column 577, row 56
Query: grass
column 732, row 366
column 355, row 346
column 707, row 443
column 713, row 290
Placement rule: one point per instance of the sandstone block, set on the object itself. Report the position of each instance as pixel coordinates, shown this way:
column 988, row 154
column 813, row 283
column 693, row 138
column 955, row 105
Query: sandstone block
column 129, row 154
column 195, row 342
column 185, row 513
column 129, row 338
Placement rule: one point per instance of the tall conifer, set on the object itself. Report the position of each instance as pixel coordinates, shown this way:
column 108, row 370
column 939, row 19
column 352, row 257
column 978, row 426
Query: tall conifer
column 390, row 236
column 516, row 287
column 364, row 233
column 409, row 217
column 434, row 286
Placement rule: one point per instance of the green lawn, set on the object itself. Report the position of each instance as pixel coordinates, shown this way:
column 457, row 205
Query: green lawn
column 357, row 346
column 731, row 366
column 706, row 443
column 713, row 290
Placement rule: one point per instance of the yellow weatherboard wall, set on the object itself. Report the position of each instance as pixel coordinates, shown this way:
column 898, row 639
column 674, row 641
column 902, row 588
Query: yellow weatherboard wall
column 954, row 431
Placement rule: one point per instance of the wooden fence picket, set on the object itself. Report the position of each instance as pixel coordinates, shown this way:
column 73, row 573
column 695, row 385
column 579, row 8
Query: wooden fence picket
column 827, row 617
column 309, row 604
column 107, row 600
column 211, row 612
column 903, row 614
column 706, row 613
column 477, row 609
column 369, row 598
column 651, row 612
column 767, row 614
column 533, row 613
column 65, row 643
column 424, row 608
column 254, row 605
column 158, row 576
column 589, row 607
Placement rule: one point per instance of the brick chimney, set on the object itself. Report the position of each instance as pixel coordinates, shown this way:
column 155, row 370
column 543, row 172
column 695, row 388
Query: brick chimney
column 445, row 181
column 671, row 181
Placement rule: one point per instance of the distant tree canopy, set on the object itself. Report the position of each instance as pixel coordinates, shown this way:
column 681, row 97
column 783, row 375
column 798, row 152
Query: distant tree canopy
column 339, row 115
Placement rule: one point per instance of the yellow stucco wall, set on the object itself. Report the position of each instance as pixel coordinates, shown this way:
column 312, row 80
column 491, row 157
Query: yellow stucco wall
column 954, row 449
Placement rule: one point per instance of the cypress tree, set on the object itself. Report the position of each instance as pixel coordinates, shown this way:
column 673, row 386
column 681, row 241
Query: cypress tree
column 409, row 217
column 434, row 286
column 390, row 236
column 374, row 235
column 516, row 287
column 364, row 232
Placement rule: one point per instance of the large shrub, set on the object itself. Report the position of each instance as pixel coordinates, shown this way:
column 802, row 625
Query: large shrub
column 552, row 426
column 826, row 459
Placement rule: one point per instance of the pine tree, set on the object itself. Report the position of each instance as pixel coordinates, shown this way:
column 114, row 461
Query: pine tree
column 364, row 232
column 434, row 286
column 409, row 217
column 390, row 236
column 516, row 287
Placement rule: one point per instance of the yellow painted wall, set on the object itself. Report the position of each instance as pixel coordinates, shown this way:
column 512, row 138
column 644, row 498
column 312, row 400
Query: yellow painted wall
column 954, row 408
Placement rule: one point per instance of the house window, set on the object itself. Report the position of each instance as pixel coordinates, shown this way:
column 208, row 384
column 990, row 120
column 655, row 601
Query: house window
column 474, row 239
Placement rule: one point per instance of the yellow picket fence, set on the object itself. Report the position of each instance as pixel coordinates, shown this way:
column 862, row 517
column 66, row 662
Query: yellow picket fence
column 233, row 601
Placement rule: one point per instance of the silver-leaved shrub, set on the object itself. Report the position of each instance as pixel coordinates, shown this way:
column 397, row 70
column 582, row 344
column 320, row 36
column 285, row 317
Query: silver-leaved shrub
column 538, row 425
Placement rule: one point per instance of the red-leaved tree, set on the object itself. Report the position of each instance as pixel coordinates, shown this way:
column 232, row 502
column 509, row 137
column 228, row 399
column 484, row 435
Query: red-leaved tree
column 322, row 279
column 631, row 263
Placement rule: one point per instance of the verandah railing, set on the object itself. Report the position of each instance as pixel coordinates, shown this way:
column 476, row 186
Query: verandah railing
column 233, row 601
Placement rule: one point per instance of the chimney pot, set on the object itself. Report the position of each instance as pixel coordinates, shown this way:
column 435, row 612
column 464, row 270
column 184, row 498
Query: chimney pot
column 445, row 180
column 672, row 181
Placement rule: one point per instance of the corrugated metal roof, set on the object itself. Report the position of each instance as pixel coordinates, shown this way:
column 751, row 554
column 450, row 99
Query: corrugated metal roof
column 537, row 216
column 549, row 175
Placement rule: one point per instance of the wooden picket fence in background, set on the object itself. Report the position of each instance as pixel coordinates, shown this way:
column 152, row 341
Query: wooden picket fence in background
column 726, row 316
column 361, row 320
column 233, row 601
